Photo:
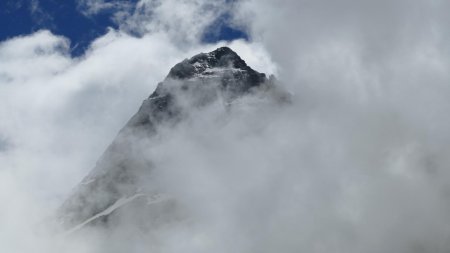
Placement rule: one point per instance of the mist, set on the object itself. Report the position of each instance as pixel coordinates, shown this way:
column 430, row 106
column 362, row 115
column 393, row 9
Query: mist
column 356, row 162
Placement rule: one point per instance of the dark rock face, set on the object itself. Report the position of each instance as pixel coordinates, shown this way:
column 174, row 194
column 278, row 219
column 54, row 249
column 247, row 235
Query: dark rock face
column 201, row 78
column 236, row 75
column 114, row 185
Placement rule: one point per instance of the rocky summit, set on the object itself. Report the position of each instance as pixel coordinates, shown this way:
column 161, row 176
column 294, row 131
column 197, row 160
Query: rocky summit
column 115, row 187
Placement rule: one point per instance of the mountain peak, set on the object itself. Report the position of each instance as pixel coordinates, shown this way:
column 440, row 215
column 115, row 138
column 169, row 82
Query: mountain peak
column 221, row 68
column 190, row 84
column 221, row 58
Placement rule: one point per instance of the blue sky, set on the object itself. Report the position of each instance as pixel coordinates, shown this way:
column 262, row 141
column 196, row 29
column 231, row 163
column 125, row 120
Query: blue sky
column 69, row 19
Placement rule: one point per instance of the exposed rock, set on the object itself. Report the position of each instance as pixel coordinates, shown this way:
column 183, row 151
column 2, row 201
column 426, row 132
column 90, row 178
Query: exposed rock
column 113, row 186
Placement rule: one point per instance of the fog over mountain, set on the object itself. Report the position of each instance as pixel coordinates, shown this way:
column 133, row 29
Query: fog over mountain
column 124, row 174
column 344, row 149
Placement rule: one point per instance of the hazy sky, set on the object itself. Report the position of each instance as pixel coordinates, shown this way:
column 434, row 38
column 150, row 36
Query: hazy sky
column 358, row 162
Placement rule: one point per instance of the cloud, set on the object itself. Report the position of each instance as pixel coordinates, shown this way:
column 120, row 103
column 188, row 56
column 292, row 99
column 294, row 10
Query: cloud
column 184, row 21
column 38, row 15
column 370, row 76
column 357, row 163
column 93, row 7
column 59, row 114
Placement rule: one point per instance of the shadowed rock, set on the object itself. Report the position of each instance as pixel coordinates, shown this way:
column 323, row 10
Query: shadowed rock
column 115, row 184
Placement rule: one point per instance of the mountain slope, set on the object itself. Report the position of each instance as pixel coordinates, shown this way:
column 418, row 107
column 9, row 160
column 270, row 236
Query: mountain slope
column 118, row 183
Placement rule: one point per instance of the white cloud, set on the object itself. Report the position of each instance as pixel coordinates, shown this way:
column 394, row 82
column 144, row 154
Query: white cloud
column 59, row 114
column 371, row 78
column 358, row 162
column 93, row 7
column 184, row 21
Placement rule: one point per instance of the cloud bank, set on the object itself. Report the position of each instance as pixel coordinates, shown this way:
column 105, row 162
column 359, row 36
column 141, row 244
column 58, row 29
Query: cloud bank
column 357, row 163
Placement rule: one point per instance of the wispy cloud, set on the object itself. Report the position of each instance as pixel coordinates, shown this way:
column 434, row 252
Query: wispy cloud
column 39, row 16
column 358, row 162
